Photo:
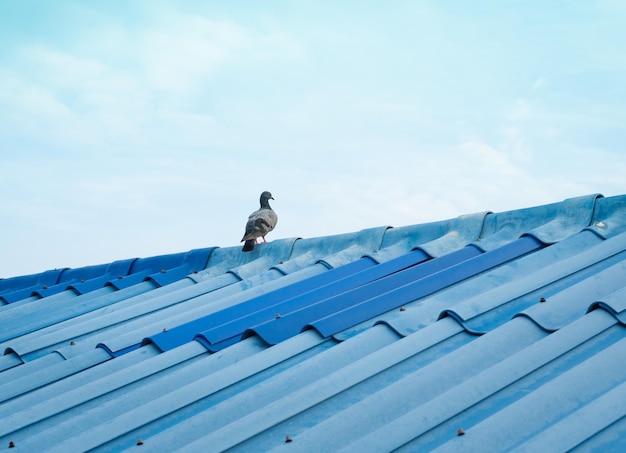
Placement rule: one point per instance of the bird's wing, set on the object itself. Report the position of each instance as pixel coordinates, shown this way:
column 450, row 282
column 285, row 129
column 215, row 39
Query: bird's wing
column 260, row 223
column 272, row 219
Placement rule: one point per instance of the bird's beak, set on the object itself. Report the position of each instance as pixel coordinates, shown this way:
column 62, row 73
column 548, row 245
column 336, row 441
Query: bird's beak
column 271, row 198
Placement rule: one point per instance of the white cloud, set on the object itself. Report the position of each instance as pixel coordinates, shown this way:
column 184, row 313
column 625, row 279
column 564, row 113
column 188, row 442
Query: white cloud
column 155, row 91
column 522, row 110
column 539, row 84
column 174, row 60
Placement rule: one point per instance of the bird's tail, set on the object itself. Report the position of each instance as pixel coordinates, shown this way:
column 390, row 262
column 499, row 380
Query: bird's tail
column 248, row 245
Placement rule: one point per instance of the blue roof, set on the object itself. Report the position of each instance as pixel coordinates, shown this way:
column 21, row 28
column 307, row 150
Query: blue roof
column 488, row 332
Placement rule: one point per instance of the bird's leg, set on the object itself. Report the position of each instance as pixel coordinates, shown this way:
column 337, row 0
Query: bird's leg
column 256, row 240
column 264, row 239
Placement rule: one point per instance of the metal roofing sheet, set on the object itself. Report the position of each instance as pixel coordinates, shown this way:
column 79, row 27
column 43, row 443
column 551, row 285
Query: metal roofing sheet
column 472, row 333
column 228, row 318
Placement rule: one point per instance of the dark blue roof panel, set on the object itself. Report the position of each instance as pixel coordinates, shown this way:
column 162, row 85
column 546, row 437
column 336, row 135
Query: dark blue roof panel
column 233, row 321
column 491, row 331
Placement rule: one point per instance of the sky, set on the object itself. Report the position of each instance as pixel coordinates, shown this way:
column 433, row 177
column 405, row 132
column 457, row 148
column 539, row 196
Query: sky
column 140, row 128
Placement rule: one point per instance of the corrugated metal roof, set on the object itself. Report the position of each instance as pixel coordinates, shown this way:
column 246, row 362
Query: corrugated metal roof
column 489, row 332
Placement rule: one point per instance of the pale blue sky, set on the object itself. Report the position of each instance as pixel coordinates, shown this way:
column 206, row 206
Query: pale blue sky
column 138, row 128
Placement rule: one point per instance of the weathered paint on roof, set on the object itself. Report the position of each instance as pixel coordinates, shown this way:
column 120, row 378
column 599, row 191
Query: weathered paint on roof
column 491, row 331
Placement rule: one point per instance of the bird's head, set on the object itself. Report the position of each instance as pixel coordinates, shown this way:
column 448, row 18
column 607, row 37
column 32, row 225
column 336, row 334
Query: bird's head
column 266, row 196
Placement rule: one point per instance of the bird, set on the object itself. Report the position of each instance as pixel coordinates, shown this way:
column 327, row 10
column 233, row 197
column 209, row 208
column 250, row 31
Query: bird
column 259, row 223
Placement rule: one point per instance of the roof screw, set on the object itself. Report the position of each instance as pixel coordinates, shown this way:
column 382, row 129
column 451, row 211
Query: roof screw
column 163, row 271
column 375, row 250
column 11, row 444
column 280, row 262
column 139, row 442
column 72, row 343
column 120, row 277
column 288, row 439
column 82, row 280
column 460, row 432
column 278, row 315
column 402, row 309
column 543, row 299
column 45, row 287
column 164, row 329
column 195, row 271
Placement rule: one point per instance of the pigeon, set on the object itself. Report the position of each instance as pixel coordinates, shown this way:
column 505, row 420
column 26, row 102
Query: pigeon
column 260, row 222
